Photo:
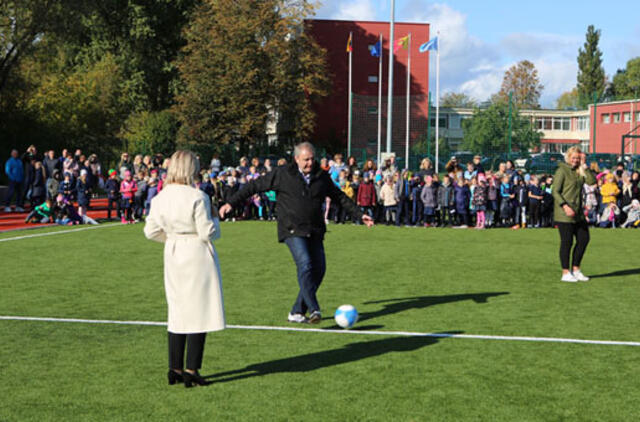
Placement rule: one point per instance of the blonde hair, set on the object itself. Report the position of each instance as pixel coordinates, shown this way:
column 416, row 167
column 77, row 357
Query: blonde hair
column 424, row 163
column 183, row 168
column 570, row 152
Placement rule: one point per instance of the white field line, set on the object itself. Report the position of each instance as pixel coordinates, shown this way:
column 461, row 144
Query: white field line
column 364, row 332
column 6, row 239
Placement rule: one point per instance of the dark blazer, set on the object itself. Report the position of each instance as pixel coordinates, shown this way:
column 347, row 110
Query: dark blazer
column 299, row 205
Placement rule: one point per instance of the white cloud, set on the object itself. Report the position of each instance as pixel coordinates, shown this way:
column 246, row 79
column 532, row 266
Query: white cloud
column 486, row 83
column 361, row 10
column 469, row 64
column 557, row 78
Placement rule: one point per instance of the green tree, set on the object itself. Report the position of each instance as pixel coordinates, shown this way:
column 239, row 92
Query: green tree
column 522, row 80
column 242, row 61
column 626, row 82
column 455, row 99
column 83, row 107
column 420, row 149
column 591, row 76
column 487, row 131
column 21, row 24
column 568, row 100
column 150, row 132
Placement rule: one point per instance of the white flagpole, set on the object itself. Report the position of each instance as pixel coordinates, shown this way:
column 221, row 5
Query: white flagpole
column 390, row 91
column 437, row 99
column 406, row 139
column 350, row 98
column 380, row 103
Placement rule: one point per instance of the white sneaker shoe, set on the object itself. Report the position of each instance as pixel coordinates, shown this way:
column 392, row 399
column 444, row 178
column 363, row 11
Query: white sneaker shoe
column 569, row 278
column 7, row 209
column 19, row 209
column 298, row 318
column 579, row 276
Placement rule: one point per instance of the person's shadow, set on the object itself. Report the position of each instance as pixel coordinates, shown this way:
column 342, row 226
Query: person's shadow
column 349, row 353
column 617, row 273
column 392, row 306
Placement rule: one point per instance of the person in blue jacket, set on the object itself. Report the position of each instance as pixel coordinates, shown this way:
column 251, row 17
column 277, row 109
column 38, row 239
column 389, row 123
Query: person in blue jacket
column 463, row 196
column 15, row 172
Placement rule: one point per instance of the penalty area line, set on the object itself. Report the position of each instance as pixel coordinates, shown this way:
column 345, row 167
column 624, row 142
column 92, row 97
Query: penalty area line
column 346, row 332
column 6, row 239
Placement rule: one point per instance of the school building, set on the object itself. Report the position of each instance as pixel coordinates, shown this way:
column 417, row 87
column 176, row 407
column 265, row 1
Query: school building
column 560, row 129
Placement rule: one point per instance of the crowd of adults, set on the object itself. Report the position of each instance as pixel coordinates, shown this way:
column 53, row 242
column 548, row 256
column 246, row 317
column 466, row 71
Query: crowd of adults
column 464, row 195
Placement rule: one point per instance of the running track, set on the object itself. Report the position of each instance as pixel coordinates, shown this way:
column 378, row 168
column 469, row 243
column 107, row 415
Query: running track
column 15, row 220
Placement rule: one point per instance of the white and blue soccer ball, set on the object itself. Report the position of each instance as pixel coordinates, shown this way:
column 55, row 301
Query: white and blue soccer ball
column 346, row 316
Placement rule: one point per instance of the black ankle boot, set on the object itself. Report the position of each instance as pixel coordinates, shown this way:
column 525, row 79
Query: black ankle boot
column 174, row 377
column 191, row 380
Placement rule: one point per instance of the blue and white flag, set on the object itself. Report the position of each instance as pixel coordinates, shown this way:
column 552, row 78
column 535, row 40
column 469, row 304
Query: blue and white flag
column 375, row 49
column 432, row 44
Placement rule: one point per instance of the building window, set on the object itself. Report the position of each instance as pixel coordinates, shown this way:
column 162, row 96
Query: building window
column 544, row 123
column 373, row 79
column 606, row 118
column 637, row 116
column 561, row 123
column 616, row 117
column 372, row 110
column 626, row 117
column 583, row 123
column 443, row 122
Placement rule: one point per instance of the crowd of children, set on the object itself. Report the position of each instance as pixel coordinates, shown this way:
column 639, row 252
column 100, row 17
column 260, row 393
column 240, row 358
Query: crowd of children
column 462, row 197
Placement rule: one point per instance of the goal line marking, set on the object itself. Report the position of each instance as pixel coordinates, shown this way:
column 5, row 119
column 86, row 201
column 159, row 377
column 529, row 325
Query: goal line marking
column 101, row 226
column 353, row 332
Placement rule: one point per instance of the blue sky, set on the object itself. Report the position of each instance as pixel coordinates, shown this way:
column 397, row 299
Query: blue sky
column 481, row 39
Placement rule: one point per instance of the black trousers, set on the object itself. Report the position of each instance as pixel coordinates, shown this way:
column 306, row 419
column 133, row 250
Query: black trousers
column 567, row 232
column 534, row 210
column 110, row 206
column 195, row 350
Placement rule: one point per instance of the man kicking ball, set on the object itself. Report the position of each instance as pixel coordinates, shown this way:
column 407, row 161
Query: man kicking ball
column 301, row 188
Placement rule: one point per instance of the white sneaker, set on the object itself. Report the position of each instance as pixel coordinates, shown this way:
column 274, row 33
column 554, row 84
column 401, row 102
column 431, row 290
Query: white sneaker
column 19, row 209
column 579, row 276
column 569, row 278
column 299, row 318
column 7, row 209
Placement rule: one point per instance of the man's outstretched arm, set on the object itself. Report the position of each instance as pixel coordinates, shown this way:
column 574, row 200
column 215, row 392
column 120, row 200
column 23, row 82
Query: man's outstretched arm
column 261, row 184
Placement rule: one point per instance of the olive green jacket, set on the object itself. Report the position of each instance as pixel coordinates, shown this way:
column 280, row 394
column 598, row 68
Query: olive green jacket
column 567, row 189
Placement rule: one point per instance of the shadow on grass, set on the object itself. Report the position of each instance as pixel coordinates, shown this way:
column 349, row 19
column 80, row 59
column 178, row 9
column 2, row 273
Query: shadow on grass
column 392, row 306
column 310, row 362
column 617, row 273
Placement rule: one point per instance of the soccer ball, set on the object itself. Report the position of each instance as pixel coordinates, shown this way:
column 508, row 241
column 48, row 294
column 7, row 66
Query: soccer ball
column 346, row 316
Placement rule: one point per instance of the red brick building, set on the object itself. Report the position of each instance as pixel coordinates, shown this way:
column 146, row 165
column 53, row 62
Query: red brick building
column 332, row 114
column 613, row 120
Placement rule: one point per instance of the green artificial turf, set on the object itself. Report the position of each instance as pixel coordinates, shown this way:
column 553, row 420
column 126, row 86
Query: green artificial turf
column 493, row 282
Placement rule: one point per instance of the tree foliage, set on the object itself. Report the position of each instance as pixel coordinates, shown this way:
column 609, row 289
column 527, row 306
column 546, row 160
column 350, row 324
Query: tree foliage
column 244, row 60
column 626, row 82
column 487, row 131
column 457, row 99
column 568, row 100
column 591, row 76
column 522, row 80
column 22, row 22
column 86, row 66
column 151, row 132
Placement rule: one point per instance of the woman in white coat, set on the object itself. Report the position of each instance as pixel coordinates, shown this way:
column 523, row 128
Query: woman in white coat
column 181, row 217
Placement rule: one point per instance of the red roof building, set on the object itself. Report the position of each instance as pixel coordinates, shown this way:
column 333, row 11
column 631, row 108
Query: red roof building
column 332, row 113
column 613, row 120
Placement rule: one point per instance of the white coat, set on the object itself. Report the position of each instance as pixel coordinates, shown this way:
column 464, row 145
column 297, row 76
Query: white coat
column 180, row 216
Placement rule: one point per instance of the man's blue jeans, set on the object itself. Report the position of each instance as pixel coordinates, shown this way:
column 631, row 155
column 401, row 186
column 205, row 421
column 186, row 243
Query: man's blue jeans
column 308, row 254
